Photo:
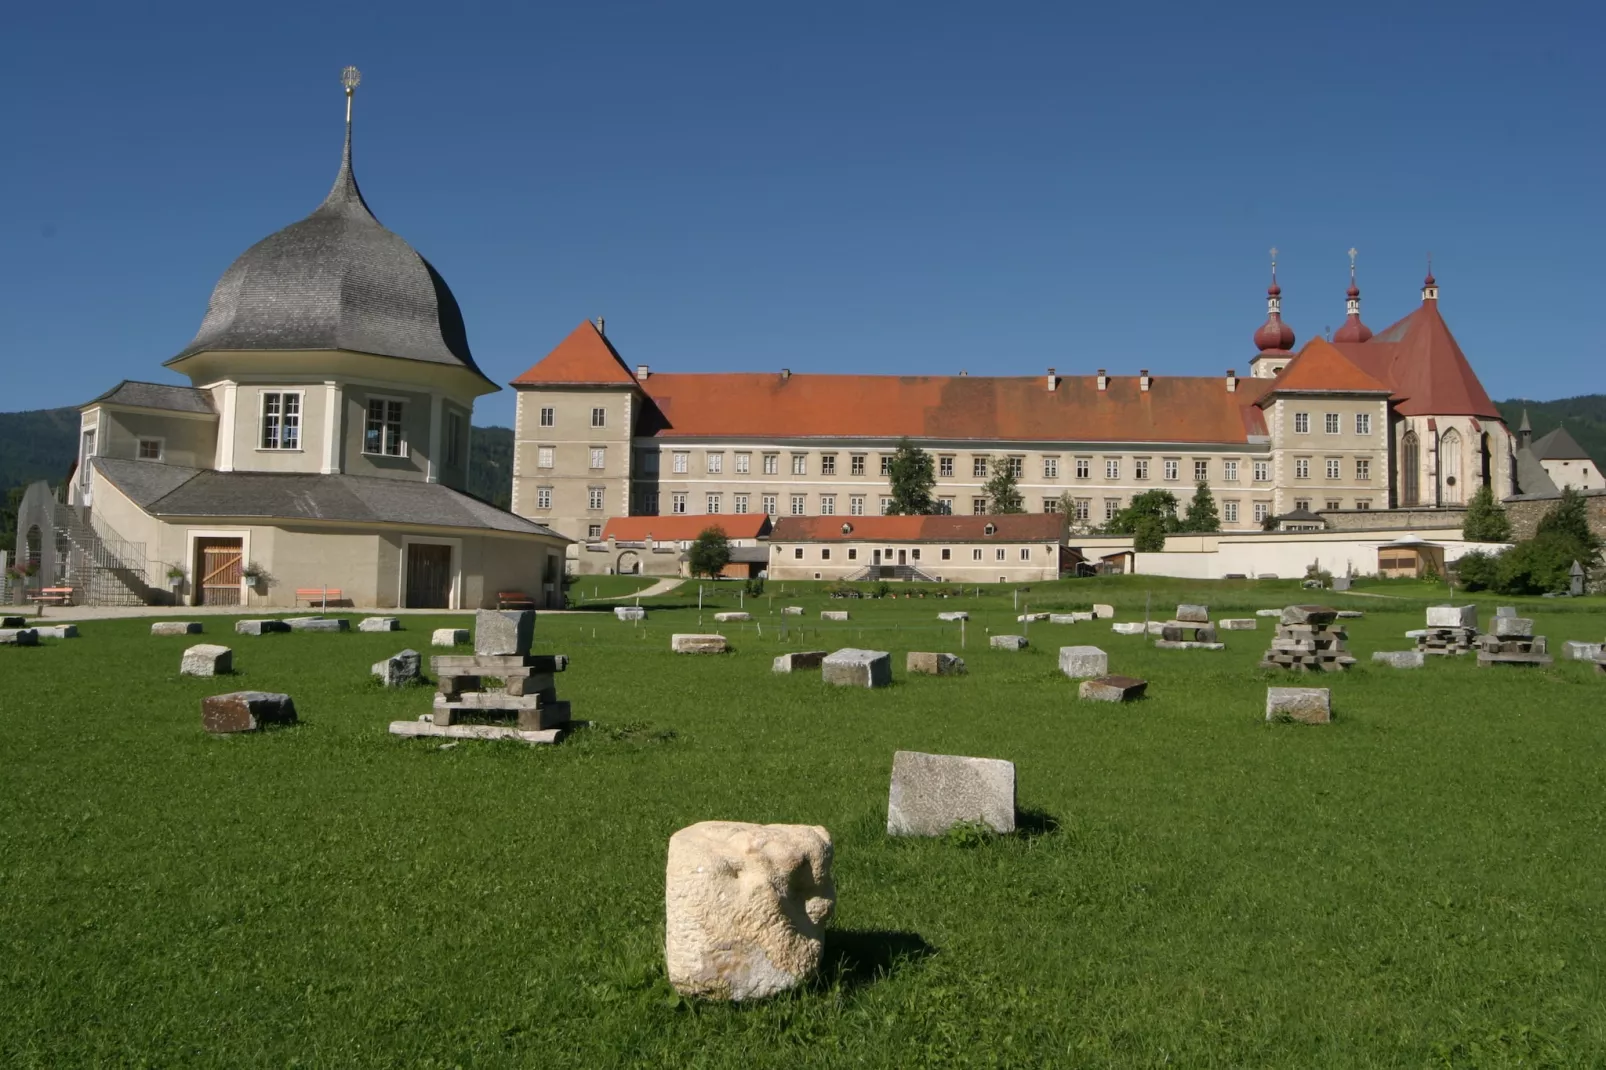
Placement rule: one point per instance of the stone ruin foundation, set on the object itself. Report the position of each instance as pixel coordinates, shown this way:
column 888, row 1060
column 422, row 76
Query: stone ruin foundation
column 1308, row 641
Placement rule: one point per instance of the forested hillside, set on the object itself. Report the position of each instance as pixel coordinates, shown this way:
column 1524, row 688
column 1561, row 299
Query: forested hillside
column 1585, row 417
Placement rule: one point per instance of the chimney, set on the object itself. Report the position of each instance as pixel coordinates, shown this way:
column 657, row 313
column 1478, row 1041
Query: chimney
column 1232, row 381
column 602, row 328
column 1053, row 380
column 642, row 372
column 1143, row 379
column 1104, row 380
column 786, row 373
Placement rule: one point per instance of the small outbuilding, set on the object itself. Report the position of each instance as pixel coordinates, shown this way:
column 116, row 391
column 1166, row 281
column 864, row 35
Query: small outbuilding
column 1409, row 557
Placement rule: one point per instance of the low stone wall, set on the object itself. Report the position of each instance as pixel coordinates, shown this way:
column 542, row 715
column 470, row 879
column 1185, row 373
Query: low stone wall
column 1525, row 513
column 1378, row 519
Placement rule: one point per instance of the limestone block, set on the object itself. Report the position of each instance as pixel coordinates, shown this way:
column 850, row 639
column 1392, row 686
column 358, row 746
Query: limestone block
column 852, row 667
column 57, row 631
column 1350, row 614
column 1452, row 617
column 1540, row 645
column 448, row 637
column 1309, row 615
column 931, row 793
column 727, row 618
column 503, row 631
column 206, row 659
column 1400, row 659
column 925, row 663
column 1311, row 705
column 799, row 660
column 1063, row 618
column 1574, row 650
column 630, row 612
column 399, row 669
column 1028, row 618
column 1513, row 627
column 1134, row 627
column 246, row 711
column 379, row 624
column 1186, row 644
column 259, row 627
column 833, row 614
column 745, row 908
column 1009, row 642
column 176, row 627
column 1238, row 624
column 1193, row 614
column 19, row 637
column 1103, row 612
column 1418, row 633
column 689, row 643
column 1079, row 662
column 1268, row 613
column 956, row 615
column 10, row 623
column 1112, row 689
column 1082, row 615
column 791, row 611
column 318, row 624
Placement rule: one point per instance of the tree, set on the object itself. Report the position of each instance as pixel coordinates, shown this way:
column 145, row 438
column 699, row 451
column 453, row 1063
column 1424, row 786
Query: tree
column 1160, row 505
column 912, row 476
column 1002, row 490
column 1478, row 570
column 1148, row 535
column 1568, row 522
column 710, row 553
column 1202, row 515
column 1485, row 520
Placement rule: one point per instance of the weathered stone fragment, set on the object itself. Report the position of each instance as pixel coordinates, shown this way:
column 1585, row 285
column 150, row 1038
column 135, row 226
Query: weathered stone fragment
column 791, row 611
column 1452, row 616
column 503, row 631
column 630, row 612
column 206, row 659
column 1080, row 662
column 1009, row 642
column 19, row 637
column 1029, row 618
column 399, row 669
column 1309, row 615
column 318, row 624
column 955, row 615
column 690, row 643
column 1311, row 705
column 246, row 711
column 931, row 793
column 1400, row 659
column 449, row 637
column 1350, row 614
column 833, row 614
column 1135, row 627
column 728, row 618
column 1193, row 614
column 57, row 631
column 1238, row 624
column 1102, row 611
column 379, row 624
column 926, row 663
column 745, row 908
column 1512, row 627
column 1186, row 644
column 259, row 627
column 1574, row 650
column 852, row 667
column 176, row 627
column 1112, row 689
column 799, row 661
column 1268, row 613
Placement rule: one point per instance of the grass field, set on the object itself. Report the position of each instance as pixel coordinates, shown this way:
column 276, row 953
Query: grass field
column 1418, row 884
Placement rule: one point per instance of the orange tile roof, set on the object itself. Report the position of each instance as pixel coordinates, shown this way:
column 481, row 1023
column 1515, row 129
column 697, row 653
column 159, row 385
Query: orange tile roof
column 682, row 526
column 585, row 358
column 1419, row 359
column 1013, row 527
column 1320, row 367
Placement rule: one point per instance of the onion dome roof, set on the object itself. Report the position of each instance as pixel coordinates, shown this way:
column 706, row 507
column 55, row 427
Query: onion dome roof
column 1274, row 334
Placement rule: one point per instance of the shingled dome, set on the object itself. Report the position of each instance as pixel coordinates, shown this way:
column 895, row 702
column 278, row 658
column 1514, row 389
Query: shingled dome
column 335, row 280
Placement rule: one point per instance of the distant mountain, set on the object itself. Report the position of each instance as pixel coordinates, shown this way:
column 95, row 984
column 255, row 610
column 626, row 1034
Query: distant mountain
column 1585, row 417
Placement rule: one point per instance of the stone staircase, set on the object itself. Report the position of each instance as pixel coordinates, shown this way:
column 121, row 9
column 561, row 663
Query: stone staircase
column 889, row 572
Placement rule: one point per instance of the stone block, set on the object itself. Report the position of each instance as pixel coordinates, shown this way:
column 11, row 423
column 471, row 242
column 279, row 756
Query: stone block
column 1575, row 650
column 246, row 711
column 1400, row 659
column 57, row 631
column 206, row 659
column 1310, row 705
column 176, row 627
column 503, row 631
column 833, row 614
column 1112, row 689
column 399, row 669
column 630, row 612
column 931, row 793
column 1452, row 617
column 1350, row 614
column 799, row 661
column 1309, row 615
column 379, row 624
column 1134, row 627
column 852, row 667
column 1193, row 614
column 13, row 622
column 1186, row 644
column 691, row 643
column 926, row 663
column 957, row 615
column 729, row 618
column 745, row 908
column 1080, row 662
column 1063, row 618
column 19, row 637
column 1268, row 613
column 259, row 627
column 791, row 611
column 318, row 624
column 1029, row 618
column 449, row 637
column 1008, row 642
column 1103, row 612
column 1512, row 627
column 1238, row 624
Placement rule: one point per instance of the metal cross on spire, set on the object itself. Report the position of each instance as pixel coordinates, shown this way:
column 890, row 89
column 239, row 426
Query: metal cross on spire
column 1273, row 263
column 351, row 78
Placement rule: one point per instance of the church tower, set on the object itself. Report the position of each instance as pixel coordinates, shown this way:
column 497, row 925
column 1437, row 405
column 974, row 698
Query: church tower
column 1274, row 339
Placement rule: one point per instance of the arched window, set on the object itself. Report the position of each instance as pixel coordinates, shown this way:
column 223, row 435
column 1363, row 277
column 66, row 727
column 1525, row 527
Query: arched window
column 1450, row 467
column 1485, row 459
column 1410, row 470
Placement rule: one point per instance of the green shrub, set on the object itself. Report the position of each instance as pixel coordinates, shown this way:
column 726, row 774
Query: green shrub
column 1478, row 570
column 1539, row 565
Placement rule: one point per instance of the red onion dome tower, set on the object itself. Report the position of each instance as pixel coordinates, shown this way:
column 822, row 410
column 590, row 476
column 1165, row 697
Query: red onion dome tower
column 1353, row 329
column 1274, row 335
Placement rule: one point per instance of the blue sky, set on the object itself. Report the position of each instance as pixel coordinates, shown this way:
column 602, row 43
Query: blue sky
column 828, row 187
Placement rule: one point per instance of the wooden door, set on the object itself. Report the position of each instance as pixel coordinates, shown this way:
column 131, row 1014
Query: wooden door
column 429, row 576
column 219, row 569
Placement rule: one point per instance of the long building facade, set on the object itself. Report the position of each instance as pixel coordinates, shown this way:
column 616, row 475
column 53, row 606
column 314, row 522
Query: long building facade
column 1392, row 420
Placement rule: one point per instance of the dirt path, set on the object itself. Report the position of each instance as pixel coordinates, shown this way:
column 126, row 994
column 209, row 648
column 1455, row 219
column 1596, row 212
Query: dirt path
column 663, row 586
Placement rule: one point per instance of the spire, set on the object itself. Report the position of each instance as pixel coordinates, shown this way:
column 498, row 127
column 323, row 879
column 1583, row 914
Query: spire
column 1430, row 285
column 1353, row 330
column 1525, row 431
column 1274, row 334
column 345, row 193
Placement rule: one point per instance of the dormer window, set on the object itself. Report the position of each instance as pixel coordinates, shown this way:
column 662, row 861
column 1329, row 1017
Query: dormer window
column 990, row 529
column 281, row 420
column 382, row 436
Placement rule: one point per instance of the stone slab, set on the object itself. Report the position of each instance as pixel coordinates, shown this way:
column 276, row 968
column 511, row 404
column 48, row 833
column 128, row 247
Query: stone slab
column 1452, row 617
column 379, row 624
column 1186, row 644
column 1103, row 612
column 1008, row 642
column 1309, row 615
column 931, row 793
column 1238, row 624
column 1485, row 659
column 853, row 667
column 475, row 731
column 19, row 637
column 799, row 661
column 1193, row 614
column 1309, row 705
column 928, row 663
column 1512, row 627
column 318, row 624
column 692, row 643
column 730, row 618
column 1351, row 614
column 957, row 615
column 449, row 637
column 1400, row 659
column 1268, row 613
column 176, row 627
column 791, row 611
column 833, row 614
column 246, row 711
column 1081, row 662
column 400, row 669
column 1574, row 650
column 503, row 631
column 206, row 659
column 498, row 665
column 1134, row 627
column 1112, row 689
column 630, row 612
column 1030, row 618
column 259, row 627
column 57, row 631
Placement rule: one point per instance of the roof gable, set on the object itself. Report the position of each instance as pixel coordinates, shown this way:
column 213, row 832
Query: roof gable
column 678, row 528
column 1559, row 445
column 1321, row 368
column 585, row 358
column 1419, row 358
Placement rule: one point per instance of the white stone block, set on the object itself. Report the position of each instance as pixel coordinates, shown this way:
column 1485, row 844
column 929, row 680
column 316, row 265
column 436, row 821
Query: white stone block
column 931, row 793
column 692, row 643
column 449, row 637
column 1238, row 624
column 1131, row 627
column 1008, row 642
column 799, row 661
column 729, row 618
column 1081, row 662
column 379, row 624
column 176, row 627
column 1452, row 617
column 958, row 615
column 630, row 612
column 1312, row 705
column 852, row 667
column 833, row 614
column 1103, row 612
column 1574, row 650
column 206, row 659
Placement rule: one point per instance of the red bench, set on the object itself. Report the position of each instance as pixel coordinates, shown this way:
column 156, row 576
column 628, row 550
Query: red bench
column 514, row 600
column 322, row 595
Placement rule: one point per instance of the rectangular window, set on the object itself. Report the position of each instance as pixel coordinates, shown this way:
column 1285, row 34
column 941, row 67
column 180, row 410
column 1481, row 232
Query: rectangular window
column 543, row 497
column 1051, row 505
column 1262, row 510
column 797, row 553
column 593, row 531
column 1025, row 553
column 914, row 555
column 594, row 497
column 649, row 503
column 1084, row 510
column 677, row 502
column 828, row 505
column 599, row 457
column 975, row 555
column 978, row 467
column 886, row 464
column 715, row 502
column 383, row 434
column 1363, row 423
column 800, row 464
column 1140, row 468
column 454, row 439
column 1017, row 466
column 1301, row 423
column 947, row 554
column 1331, row 423
column 1262, row 471
column 1229, row 512
column 798, row 504
column 1363, row 469
column 1112, row 468
column 281, row 420
column 1084, row 467
column 741, row 502
column 1111, row 507
column 681, row 463
column 744, row 462
column 856, row 464
column 1229, row 471
column 978, row 506
column 599, row 417
column 998, row 554
column 827, row 464
column 856, row 505
column 1302, row 468
column 1302, row 503
column 549, row 417
column 945, row 506
column 1363, row 503
column 886, row 506
column 853, row 553
column 1334, row 503
column 769, row 505
column 1051, row 467
column 150, row 449
column 772, row 463
column 543, row 456
column 1201, row 470
column 945, row 466
column 715, row 463
column 1171, row 469
column 1333, row 465
column 825, row 553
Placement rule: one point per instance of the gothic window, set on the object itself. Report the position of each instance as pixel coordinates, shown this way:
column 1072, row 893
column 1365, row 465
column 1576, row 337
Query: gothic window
column 1450, row 465
column 1410, row 470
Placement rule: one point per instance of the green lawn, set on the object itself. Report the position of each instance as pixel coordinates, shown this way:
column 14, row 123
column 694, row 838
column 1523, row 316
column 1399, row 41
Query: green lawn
column 1420, row 883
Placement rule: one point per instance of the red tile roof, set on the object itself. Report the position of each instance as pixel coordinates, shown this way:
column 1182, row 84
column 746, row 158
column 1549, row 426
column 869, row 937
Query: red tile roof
column 1419, row 358
column 683, row 526
column 1013, row 527
column 585, row 358
column 1321, row 368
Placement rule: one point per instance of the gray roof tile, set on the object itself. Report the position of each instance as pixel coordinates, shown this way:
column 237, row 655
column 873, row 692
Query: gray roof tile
column 157, row 396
